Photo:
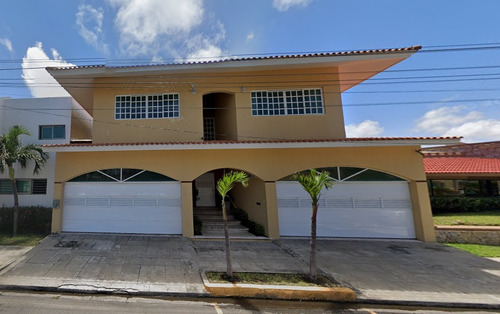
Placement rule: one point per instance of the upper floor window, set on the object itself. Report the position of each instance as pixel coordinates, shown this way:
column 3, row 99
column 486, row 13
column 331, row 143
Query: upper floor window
column 287, row 102
column 147, row 106
column 52, row 132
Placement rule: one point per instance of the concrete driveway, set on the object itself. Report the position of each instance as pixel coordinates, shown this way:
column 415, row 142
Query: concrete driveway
column 379, row 270
column 109, row 263
column 11, row 253
column 407, row 271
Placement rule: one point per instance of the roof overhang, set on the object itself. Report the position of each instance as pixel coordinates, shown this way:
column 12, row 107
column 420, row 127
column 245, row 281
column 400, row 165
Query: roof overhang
column 353, row 67
column 230, row 145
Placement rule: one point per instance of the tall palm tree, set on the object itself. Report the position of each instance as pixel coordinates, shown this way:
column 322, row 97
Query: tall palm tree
column 224, row 185
column 12, row 151
column 313, row 182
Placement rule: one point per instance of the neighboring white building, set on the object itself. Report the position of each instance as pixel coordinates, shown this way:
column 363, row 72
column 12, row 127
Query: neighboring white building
column 49, row 121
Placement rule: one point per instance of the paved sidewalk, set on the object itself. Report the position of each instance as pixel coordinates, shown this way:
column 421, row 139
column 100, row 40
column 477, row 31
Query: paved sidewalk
column 408, row 272
column 10, row 253
column 109, row 263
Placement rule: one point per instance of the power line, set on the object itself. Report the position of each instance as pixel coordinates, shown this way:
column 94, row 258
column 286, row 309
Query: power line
column 249, row 107
column 425, row 49
column 142, row 126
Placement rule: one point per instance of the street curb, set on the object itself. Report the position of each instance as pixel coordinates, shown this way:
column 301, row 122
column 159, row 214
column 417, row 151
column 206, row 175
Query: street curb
column 118, row 292
column 450, row 305
column 277, row 292
column 103, row 291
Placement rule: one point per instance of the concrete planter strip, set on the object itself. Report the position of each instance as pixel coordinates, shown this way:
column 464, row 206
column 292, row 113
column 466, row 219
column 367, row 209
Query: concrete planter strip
column 340, row 294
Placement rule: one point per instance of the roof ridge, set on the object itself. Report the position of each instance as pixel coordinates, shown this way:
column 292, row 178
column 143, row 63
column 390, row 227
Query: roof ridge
column 254, row 58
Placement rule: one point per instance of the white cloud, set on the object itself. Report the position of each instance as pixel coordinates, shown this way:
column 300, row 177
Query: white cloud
column 250, row 36
column 145, row 25
column 477, row 131
column 89, row 21
column 38, row 80
column 442, row 119
column 208, row 52
column 367, row 128
column 7, row 44
column 284, row 5
column 157, row 60
column 458, row 121
column 205, row 48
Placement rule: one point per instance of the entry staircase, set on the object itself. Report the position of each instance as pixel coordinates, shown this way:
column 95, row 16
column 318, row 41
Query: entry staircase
column 213, row 225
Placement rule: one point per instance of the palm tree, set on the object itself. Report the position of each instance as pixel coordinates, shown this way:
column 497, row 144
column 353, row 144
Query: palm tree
column 12, row 151
column 313, row 183
column 224, row 185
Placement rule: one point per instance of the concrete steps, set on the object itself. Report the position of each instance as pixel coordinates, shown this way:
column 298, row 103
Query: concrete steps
column 213, row 225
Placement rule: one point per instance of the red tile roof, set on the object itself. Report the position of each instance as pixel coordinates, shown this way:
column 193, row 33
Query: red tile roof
column 482, row 150
column 236, row 59
column 461, row 165
column 353, row 139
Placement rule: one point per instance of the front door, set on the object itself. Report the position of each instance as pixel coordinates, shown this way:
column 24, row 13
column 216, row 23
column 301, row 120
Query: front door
column 206, row 190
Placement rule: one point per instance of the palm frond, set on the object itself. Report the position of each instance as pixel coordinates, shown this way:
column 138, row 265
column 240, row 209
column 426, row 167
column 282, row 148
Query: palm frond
column 12, row 151
column 227, row 182
column 313, row 182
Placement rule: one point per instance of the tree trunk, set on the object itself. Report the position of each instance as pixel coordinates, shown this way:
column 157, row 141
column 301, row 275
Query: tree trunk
column 16, row 199
column 313, row 273
column 228, row 247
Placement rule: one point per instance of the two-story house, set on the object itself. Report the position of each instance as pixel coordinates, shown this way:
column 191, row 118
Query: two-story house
column 49, row 122
column 163, row 134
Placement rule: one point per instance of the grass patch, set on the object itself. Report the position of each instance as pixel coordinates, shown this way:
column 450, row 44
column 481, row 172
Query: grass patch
column 272, row 279
column 478, row 249
column 486, row 218
column 21, row 240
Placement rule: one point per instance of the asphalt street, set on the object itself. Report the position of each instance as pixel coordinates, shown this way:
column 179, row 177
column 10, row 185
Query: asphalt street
column 45, row 303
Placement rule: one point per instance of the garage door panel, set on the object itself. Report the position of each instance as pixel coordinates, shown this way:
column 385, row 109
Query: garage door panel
column 126, row 226
column 123, row 207
column 350, row 209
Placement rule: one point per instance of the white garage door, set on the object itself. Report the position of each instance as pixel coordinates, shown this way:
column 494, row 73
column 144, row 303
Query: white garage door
column 122, row 207
column 349, row 209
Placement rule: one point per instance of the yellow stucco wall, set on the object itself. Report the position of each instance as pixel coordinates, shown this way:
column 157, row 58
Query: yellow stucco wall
column 268, row 165
column 238, row 85
column 252, row 200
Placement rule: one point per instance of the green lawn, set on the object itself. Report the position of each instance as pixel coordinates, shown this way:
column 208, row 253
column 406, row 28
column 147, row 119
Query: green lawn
column 21, row 240
column 478, row 249
column 486, row 218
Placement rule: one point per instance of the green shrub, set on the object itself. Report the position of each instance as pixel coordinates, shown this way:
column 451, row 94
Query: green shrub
column 256, row 228
column 458, row 204
column 240, row 215
column 198, row 224
column 32, row 220
column 253, row 227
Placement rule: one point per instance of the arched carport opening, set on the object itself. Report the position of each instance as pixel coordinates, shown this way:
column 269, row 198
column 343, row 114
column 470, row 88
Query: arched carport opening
column 207, row 204
column 122, row 200
column 363, row 203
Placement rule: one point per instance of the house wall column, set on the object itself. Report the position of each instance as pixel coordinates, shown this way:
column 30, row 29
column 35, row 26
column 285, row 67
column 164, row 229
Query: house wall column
column 422, row 213
column 272, row 210
column 57, row 211
column 187, row 209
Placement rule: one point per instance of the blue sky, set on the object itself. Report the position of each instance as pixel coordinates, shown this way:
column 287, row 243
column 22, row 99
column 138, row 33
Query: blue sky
column 460, row 94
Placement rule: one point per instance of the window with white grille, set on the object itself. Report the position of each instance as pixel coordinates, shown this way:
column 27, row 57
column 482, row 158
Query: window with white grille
column 155, row 106
column 287, row 102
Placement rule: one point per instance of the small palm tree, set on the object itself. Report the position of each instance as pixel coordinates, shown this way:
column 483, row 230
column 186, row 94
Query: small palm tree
column 313, row 182
column 12, row 151
column 224, row 185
